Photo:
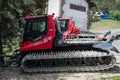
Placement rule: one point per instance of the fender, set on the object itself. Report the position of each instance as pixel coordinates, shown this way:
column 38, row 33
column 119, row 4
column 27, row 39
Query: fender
column 105, row 46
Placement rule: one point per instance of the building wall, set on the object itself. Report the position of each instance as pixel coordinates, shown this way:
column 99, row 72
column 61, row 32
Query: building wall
column 77, row 9
column 54, row 7
column 80, row 17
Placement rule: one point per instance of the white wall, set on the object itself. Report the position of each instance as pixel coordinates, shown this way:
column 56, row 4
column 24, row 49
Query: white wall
column 80, row 17
column 54, row 7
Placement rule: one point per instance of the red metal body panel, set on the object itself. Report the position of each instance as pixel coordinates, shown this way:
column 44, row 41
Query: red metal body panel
column 45, row 42
column 71, row 29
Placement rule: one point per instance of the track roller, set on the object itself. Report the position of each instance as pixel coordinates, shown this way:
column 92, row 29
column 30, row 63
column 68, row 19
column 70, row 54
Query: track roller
column 75, row 61
column 60, row 62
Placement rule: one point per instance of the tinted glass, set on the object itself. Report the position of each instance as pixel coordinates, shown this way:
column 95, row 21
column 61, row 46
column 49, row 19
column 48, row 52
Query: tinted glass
column 63, row 25
column 35, row 28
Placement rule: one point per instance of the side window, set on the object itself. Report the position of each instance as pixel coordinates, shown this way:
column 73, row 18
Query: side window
column 41, row 26
column 62, row 24
column 37, row 27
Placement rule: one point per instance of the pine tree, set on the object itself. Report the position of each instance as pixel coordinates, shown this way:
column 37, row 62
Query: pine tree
column 10, row 12
column 105, row 5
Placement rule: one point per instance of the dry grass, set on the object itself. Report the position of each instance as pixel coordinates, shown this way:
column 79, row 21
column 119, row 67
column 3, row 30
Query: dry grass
column 104, row 25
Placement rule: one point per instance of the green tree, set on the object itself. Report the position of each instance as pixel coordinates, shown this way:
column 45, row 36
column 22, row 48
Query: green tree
column 10, row 12
column 105, row 5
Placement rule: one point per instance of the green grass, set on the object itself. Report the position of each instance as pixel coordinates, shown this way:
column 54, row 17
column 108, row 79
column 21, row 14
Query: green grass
column 103, row 25
column 2, row 69
column 111, row 78
column 61, row 78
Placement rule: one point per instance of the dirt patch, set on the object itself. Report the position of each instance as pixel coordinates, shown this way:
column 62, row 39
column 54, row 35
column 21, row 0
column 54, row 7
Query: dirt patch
column 15, row 73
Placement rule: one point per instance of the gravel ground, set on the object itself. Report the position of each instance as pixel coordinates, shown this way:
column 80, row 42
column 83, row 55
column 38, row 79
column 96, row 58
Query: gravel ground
column 15, row 73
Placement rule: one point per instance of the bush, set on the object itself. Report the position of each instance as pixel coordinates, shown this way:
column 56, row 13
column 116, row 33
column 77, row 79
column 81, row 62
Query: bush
column 115, row 14
column 93, row 18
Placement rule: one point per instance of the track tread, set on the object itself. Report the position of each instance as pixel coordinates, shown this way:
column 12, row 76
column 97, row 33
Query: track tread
column 67, row 54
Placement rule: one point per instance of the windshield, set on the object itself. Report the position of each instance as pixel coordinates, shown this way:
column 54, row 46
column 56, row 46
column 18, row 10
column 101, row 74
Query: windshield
column 35, row 29
column 63, row 25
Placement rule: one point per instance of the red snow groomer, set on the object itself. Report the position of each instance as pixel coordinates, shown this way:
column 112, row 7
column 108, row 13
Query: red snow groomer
column 55, row 45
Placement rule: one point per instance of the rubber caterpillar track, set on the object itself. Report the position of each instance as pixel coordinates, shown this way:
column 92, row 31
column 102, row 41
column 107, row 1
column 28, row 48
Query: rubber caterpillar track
column 63, row 61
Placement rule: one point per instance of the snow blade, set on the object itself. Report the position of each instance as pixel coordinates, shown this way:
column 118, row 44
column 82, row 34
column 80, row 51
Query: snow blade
column 105, row 46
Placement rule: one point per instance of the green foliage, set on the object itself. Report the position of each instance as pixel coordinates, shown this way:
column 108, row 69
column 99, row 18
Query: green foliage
column 114, row 14
column 111, row 78
column 10, row 12
column 94, row 18
column 106, row 5
column 2, row 69
column 118, row 5
column 61, row 78
column 111, row 7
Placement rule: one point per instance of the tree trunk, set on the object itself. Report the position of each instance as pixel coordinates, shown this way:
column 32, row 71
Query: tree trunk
column 1, row 48
column 1, row 52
